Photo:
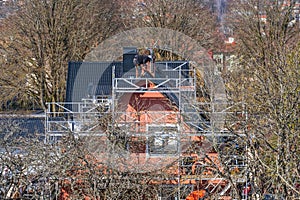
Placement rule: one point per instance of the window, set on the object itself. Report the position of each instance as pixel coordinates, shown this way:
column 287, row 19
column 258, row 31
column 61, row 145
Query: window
column 162, row 140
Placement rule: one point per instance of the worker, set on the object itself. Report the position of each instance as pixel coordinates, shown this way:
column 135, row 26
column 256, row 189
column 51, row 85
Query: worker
column 142, row 63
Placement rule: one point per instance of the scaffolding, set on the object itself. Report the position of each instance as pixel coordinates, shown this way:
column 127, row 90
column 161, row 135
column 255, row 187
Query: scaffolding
column 162, row 112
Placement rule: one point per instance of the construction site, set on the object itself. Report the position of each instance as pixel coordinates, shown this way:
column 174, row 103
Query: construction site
column 157, row 121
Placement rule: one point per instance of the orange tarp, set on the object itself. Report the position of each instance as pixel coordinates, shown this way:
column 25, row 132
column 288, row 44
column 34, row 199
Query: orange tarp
column 196, row 195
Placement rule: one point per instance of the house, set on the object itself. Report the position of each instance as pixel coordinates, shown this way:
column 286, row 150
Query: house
column 152, row 122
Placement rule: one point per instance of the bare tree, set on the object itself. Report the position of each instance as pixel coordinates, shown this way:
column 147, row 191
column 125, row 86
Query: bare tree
column 266, row 78
column 41, row 37
column 193, row 18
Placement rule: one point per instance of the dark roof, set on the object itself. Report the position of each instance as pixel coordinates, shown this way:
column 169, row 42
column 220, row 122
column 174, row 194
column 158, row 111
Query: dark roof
column 22, row 126
column 88, row 79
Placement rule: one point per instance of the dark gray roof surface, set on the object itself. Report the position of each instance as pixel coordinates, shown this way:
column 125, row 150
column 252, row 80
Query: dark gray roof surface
column 86, row 79
column 22, row 126
column 92, row 79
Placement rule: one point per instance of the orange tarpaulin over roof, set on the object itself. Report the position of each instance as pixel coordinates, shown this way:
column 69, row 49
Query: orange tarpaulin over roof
column 196, row 195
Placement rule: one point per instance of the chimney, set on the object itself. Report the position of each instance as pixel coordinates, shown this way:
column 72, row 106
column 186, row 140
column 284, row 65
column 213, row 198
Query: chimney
column 128, row 55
